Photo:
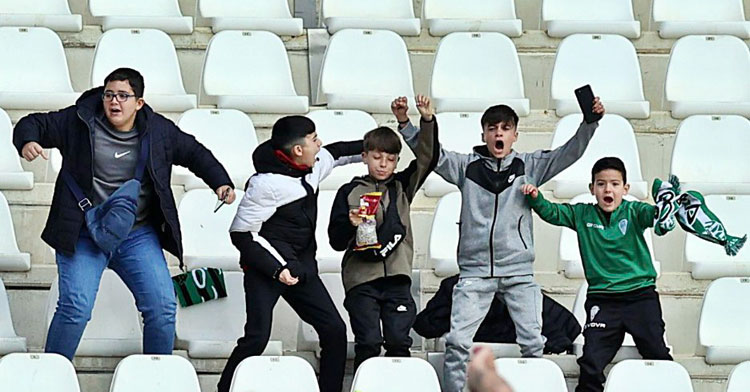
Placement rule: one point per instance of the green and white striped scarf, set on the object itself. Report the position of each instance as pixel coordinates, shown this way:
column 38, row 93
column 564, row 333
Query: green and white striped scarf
column 691, row 212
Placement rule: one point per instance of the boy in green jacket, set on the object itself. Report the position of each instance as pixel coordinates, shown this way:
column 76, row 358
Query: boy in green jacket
column 622, row 293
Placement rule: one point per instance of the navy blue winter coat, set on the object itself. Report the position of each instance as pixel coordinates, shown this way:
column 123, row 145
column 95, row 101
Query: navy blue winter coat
column 70, row 131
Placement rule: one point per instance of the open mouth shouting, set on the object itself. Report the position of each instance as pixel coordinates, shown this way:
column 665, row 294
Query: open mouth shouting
column 608, row 200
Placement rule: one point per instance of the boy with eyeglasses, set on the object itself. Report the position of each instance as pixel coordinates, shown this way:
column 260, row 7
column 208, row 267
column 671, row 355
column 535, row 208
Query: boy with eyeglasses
column 99, row 140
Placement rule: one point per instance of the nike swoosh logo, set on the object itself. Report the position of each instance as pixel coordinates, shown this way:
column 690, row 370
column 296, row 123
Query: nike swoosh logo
column 119, row 155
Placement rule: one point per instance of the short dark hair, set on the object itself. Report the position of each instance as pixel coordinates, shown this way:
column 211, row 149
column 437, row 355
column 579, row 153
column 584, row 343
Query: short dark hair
column 290, row 131
column 613, row 163
column 133, row 77
column 499, row 113
column 382, row 139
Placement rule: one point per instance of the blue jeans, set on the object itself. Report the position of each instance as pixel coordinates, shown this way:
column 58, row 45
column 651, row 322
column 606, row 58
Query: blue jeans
column 140, row 263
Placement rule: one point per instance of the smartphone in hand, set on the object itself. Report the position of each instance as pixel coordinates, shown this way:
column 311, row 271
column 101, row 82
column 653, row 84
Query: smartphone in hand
column 586, row 101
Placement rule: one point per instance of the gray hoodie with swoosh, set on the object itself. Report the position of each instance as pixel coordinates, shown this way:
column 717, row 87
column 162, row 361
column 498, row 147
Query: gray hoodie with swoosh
column 496, row 232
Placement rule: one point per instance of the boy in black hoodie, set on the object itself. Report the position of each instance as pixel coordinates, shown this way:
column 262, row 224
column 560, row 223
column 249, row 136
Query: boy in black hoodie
column 378, row 281
column 274, row 230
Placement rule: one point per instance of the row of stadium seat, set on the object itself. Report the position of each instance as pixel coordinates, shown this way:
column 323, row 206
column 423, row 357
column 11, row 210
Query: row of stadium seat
column 169, row 373
column 560, row 18
column 365, row 69
column 210, row 330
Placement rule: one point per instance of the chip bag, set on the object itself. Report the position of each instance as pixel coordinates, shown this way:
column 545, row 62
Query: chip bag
column 367, row 235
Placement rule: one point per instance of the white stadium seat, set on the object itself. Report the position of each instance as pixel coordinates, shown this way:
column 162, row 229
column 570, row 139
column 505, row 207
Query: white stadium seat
column 205, row 234
column 329, row 260
column 342, row 125
column 211, row 329
column 53, row 165
column 449, row 16
column 164, row 15
column 459, row 132
column 739, row 378
column 39, row 79
column 443, row 244
column 52, row 14
column 708, row 75
column 531, row 374
column 9, row 341
column 499, row 350
column 460, row 83
column 562, row 18
column 628, row 349
column 365, row 70
column 163, row 373
column 648, row 376
column 724, row 326
column 394, row 15
column 677, row 18
column 403, row 375
column 11, row 259
column 569, row 253
column 12, row 175
column 265, row 15
column 231, row 137
column 150, row 52
column 307, row 339
column 249, row 71
column 37, row 372
column 609, row 64
column 272, row 374
column 695, row 159
column 115, row 326
column 613, row 138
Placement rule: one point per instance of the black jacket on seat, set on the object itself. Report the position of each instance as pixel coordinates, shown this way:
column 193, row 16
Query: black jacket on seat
column 559, row 325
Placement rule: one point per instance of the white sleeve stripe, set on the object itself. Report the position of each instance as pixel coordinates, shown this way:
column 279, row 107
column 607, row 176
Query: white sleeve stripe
column 265, row 244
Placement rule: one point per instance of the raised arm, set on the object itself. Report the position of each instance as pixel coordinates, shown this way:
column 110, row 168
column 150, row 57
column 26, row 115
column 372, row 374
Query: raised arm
column 450, row 165
column 336, row 154
column 427, row 150
column 546, row 164
column 558, row 214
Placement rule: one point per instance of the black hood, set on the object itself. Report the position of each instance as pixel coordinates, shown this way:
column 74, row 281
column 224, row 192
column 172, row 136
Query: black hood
column 266, row 161
column 90, row 106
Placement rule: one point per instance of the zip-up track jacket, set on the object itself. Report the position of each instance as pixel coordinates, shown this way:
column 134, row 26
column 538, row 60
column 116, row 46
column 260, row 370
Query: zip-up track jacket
column 495, row 228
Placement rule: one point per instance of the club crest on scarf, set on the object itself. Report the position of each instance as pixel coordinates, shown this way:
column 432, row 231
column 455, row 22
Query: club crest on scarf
column 693, row 215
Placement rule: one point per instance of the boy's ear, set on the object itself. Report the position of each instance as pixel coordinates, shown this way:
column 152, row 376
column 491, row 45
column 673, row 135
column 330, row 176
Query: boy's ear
column 364, row 156
column 626, row 187
column 296, row 150
column 139, row 104
column 591, row 188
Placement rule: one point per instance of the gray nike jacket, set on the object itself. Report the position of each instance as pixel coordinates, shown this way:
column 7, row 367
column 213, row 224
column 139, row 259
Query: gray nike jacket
column 495, row 229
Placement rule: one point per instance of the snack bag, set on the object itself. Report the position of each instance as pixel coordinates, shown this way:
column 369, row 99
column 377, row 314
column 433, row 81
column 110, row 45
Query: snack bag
column 367, row 235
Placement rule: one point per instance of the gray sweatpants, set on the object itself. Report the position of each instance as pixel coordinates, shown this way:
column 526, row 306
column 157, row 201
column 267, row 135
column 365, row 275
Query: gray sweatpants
column 471, row 301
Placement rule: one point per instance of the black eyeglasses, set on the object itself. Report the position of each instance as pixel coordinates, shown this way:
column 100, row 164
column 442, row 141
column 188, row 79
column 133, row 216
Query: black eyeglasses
column 121, row 97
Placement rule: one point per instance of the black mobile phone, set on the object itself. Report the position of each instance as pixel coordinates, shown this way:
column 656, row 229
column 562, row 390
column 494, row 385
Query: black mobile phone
column 586, row 101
